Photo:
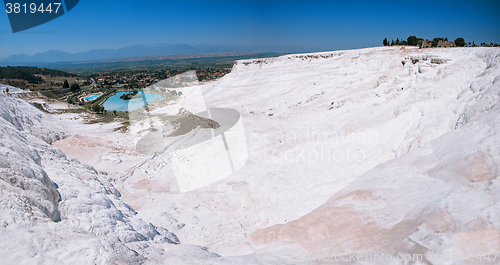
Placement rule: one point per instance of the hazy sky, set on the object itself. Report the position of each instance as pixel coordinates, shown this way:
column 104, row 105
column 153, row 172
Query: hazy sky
column 324, row 25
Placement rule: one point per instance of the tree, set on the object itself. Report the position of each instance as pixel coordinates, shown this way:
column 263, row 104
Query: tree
column 7, row 90
column 397, row 41
column 114, row 112
column 460, row 42
column 392, row 42
column 75, row 87
column 97, row 108
column 435, row 41
column 412, row 40
column 66, row 84
column 385, row 42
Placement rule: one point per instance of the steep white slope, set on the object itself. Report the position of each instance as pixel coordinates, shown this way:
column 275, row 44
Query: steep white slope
column 55, row 209
column 441, row 193
column 382, row 142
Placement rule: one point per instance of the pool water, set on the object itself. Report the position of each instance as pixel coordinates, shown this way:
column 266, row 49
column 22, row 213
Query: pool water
column 90, row 98
column 116, row 103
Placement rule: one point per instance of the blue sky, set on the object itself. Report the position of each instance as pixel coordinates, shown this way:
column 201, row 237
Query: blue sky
column 324, row 25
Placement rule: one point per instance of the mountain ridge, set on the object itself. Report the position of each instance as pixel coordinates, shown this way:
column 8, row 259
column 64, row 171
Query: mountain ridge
column 142, row 50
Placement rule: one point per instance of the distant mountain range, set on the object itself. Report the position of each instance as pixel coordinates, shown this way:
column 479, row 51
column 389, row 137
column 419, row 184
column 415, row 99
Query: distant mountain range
column 142, row 51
